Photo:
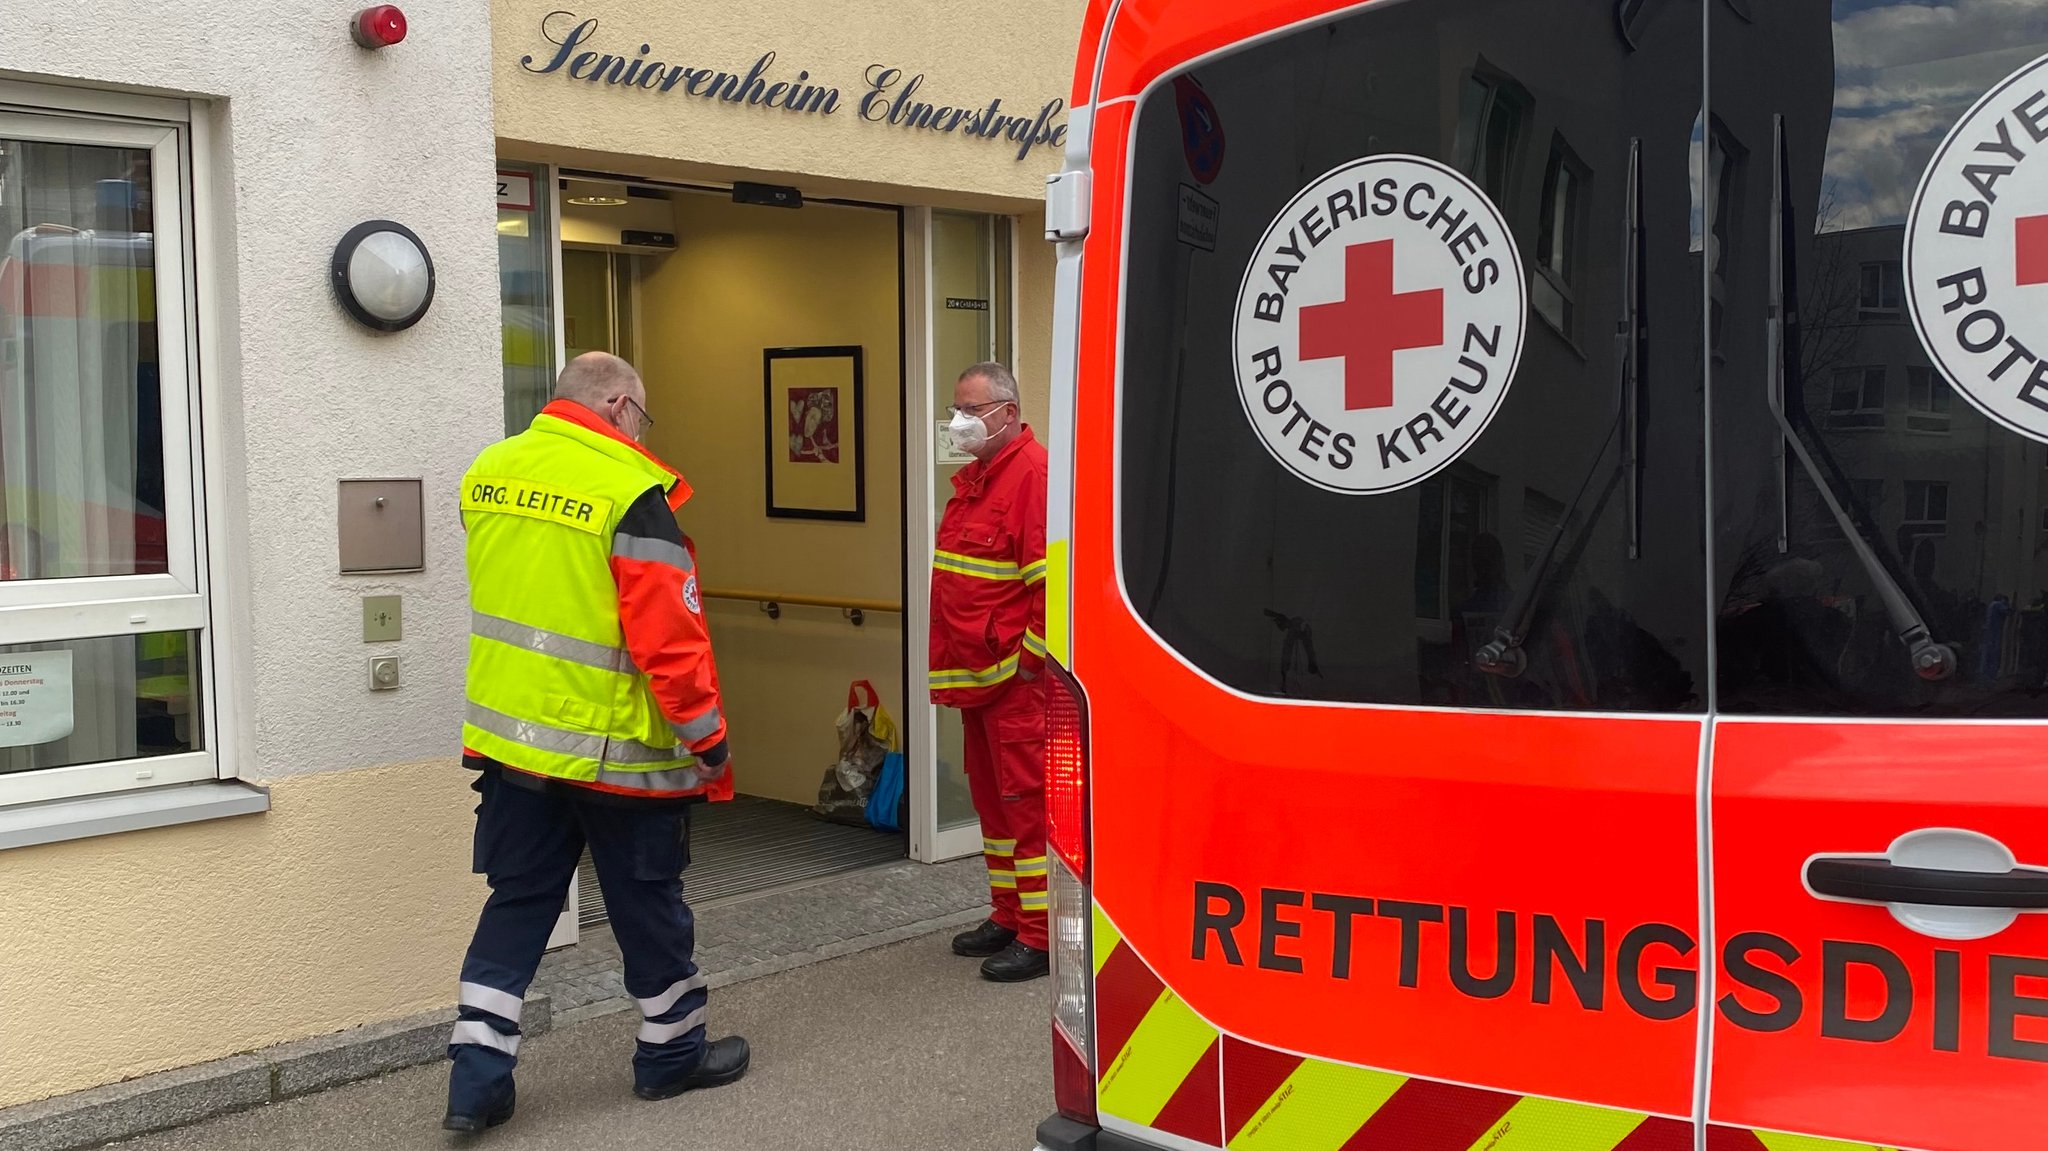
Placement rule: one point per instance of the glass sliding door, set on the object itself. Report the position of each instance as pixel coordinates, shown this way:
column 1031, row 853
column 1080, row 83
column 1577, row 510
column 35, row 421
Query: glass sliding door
column 963, row 318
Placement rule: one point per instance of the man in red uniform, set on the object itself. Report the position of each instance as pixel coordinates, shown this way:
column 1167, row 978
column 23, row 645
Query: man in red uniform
column 988, row 650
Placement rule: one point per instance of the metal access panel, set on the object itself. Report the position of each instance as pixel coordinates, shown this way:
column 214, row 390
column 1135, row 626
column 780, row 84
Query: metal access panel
column 383, row 526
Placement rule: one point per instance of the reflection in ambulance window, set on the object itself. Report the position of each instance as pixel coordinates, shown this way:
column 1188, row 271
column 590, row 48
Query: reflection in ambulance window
column 1947, row 501
column 1587, row 574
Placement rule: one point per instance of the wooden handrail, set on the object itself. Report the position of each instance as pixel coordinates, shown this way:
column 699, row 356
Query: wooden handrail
column 765, row 597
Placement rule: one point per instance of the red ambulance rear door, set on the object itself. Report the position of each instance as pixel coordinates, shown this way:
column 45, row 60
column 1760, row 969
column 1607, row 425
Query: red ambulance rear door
column 1404, row 333
column 1881, row 185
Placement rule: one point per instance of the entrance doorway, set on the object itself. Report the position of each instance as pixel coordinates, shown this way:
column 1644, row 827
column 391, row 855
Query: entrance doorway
column 788, row 356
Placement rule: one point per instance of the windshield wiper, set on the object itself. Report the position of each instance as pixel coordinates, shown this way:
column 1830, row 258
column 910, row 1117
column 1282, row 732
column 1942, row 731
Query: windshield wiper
column 1931, row 659
column 1503, row 655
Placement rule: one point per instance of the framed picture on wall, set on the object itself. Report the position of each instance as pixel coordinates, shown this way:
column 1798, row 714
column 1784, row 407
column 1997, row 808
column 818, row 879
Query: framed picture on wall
column 814, row 404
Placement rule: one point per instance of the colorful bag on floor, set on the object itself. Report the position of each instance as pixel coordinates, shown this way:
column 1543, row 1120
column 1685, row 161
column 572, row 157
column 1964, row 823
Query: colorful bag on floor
column 885, row 804
column 866, row 736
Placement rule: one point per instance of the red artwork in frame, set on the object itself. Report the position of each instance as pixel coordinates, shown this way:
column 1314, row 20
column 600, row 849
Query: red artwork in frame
column 813, row 425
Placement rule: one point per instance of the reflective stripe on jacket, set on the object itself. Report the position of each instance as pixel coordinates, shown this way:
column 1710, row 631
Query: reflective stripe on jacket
column 589, row 660
column 988, row 576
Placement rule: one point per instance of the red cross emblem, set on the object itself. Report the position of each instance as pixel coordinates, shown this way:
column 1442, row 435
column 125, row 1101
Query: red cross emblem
column 2031, row 241
column 1373, row 321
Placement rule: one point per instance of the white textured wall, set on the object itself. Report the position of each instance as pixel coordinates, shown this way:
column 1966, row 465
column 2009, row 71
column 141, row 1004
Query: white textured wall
column 316, row 136
column 351, row 900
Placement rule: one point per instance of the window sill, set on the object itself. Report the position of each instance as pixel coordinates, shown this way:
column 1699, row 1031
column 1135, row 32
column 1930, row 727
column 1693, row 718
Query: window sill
column 66, row 819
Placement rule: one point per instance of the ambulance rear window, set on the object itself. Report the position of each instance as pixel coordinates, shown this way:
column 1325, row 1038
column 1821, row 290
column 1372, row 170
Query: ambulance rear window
column 1238, row 546
column 1915, row 518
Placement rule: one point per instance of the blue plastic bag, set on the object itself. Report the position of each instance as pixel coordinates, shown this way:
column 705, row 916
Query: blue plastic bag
column 887, row 798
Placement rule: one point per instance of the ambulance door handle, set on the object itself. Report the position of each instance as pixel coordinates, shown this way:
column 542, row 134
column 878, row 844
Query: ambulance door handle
column 1870, row 880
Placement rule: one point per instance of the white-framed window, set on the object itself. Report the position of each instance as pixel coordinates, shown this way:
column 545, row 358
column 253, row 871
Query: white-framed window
column 105, row 658
column 1858, row 398
column 1881, row 291
column 1493, row 118
column 1557, row 239
column 1925, row 525
column 1929, row 401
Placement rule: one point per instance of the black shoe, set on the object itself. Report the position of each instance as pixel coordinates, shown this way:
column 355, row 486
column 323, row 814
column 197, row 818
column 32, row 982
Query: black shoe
column 988, row 939
column 1017, row 964
column 470, row 1124
column 725, row 1060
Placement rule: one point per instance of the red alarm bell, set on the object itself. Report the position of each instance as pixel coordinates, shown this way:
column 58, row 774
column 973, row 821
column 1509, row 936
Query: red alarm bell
column 378, row 27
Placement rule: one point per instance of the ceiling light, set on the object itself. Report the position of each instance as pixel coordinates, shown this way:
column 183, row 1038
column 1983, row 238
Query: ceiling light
column 595, row 195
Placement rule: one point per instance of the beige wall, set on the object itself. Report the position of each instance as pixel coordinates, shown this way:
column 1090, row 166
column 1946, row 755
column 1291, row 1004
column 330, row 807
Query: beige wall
column 968, row 54
column 744, row 279
column 1035, row 260
column 348, row 903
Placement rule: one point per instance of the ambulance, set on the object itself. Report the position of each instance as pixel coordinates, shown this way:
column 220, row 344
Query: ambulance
column 1549, row 577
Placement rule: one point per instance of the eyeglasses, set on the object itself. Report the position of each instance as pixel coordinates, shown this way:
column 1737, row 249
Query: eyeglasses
column 646, row 421
column 970, row 409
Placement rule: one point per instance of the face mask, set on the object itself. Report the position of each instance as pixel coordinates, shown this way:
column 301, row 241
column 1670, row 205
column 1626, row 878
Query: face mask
column 969, row 434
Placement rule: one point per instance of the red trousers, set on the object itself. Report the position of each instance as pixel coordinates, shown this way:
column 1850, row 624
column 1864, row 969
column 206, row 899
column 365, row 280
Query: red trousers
column 1005, row 755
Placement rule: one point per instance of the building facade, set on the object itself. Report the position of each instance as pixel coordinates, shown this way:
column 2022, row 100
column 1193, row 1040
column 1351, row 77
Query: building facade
column 219, row 829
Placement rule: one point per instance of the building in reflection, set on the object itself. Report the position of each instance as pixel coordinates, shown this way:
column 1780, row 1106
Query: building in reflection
column 1951, row 501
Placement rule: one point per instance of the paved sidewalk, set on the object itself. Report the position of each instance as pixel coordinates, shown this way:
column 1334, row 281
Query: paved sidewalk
column 740, row 938
column 903, row 1048
column 749, row 936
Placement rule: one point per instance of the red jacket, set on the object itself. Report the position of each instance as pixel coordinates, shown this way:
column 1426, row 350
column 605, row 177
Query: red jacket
column 988, row 577
column 661, row 613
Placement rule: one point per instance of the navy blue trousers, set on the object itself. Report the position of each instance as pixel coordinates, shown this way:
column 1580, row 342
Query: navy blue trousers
column 528, row 844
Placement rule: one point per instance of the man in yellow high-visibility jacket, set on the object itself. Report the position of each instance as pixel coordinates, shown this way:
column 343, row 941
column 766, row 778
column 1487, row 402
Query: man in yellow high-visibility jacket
column 593, row 718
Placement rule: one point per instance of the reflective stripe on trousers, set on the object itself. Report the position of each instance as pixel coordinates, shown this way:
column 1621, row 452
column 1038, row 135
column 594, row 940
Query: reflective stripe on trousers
column 502, row 1004
column 475, row 1032
column 653, row 1030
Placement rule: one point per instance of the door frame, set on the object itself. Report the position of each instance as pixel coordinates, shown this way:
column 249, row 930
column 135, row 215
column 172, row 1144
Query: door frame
column 929, row 843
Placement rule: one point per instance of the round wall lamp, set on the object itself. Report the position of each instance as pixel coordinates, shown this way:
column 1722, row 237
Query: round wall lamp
column 383, row 275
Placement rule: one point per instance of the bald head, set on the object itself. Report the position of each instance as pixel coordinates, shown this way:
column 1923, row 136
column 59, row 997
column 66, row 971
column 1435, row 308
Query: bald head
column 609, row 386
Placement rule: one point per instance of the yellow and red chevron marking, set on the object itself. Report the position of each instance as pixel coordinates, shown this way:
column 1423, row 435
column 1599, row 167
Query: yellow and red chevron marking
column 1158, row 1064
column 1156, row 1060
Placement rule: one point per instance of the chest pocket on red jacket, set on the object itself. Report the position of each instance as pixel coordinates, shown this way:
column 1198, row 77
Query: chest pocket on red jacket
column 985, row 540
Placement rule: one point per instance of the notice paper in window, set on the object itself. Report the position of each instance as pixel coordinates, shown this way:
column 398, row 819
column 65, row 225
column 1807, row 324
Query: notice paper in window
column 35, row 698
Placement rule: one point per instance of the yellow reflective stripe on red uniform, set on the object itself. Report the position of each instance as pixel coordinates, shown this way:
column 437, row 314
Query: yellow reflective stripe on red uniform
column 1034, row 643
column 1034, row 900
column 1034, row 572
column 970, row 677
column 1007, row 880
column 997, row 846
column 1032, row 867
column 1166, row 1046
column 975, row 566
